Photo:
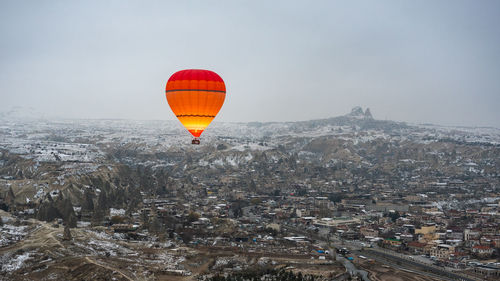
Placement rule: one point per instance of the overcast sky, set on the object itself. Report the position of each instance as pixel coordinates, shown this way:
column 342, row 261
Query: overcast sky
column 415, row 61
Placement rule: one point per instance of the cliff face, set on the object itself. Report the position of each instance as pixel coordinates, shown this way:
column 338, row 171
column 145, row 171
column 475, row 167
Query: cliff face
column 357, row 113
column 368, row 114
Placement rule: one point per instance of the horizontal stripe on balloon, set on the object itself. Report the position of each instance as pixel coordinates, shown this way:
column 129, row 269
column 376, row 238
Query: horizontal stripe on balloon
column 191, row 115
column 194, row 90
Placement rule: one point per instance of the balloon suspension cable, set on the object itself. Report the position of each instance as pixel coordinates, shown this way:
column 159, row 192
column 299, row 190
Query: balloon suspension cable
column 195, row 141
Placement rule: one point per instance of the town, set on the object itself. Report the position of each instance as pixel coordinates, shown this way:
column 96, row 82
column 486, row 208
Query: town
column 345, row 198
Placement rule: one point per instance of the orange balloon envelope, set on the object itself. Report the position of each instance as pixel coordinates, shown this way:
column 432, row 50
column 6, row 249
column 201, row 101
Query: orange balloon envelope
column 195, row 96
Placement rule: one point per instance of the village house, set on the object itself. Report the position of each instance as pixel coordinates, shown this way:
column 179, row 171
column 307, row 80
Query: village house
column 416, row 247
column 442, row 251
column 482, row 251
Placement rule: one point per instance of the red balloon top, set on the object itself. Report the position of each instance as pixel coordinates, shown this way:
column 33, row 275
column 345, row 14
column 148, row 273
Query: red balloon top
column 195, row 79
column 195, row 74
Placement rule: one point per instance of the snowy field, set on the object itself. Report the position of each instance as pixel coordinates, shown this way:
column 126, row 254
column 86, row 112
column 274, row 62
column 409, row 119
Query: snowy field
column 84, row 141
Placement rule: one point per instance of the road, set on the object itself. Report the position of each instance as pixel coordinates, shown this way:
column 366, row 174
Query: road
column 385, row 257
column 349, row 266
column 424, row 269
column 88, row 259
column 399, row 261
column 407, row 262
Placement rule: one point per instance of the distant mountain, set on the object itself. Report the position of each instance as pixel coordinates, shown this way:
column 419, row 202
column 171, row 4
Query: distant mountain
column 357, row 119
column 21, row 113
column 172, row 133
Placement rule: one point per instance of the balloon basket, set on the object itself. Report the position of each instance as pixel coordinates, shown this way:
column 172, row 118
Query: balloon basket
column 195, row 141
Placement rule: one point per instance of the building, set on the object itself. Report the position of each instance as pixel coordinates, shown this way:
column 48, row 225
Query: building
column 416, row 247
column 482, row 251
column 392, row 242
column 442, row 251
column 427, row 229
column 489, row 271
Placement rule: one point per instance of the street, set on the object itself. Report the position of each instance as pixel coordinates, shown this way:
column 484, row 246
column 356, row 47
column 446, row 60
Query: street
column 381, row 255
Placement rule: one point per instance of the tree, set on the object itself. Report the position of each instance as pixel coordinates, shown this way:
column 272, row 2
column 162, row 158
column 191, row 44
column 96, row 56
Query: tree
column 97, row 217
column 67, row 233
column 154, row 225
column 221, row 146
column 10, row 198
column 251, row 185
column 186, row 234
column 336, row 197
column 102, row 200
column 132, row 205
column 145, row 220
column 88, row 202
column 237, row 210
column 193, row 216
column 66, row 211
column 394, row 215
column 301, row 192
column 47, row 212
column 117, row 197
column 71, row 221
column 4, row 206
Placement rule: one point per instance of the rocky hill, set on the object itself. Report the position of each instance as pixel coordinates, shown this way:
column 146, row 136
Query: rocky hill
column 41, row 160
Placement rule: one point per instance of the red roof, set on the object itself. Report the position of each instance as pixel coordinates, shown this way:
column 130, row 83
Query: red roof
column 416, row 244
column 482, row 247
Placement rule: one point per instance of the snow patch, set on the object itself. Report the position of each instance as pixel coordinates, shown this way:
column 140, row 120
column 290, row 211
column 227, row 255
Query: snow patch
column 10, row 264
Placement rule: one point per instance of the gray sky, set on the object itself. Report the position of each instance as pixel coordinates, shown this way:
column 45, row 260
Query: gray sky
column 416, row 61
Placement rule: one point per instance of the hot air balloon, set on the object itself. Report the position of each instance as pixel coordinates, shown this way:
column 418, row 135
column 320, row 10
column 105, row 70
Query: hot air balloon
column 195, row 96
